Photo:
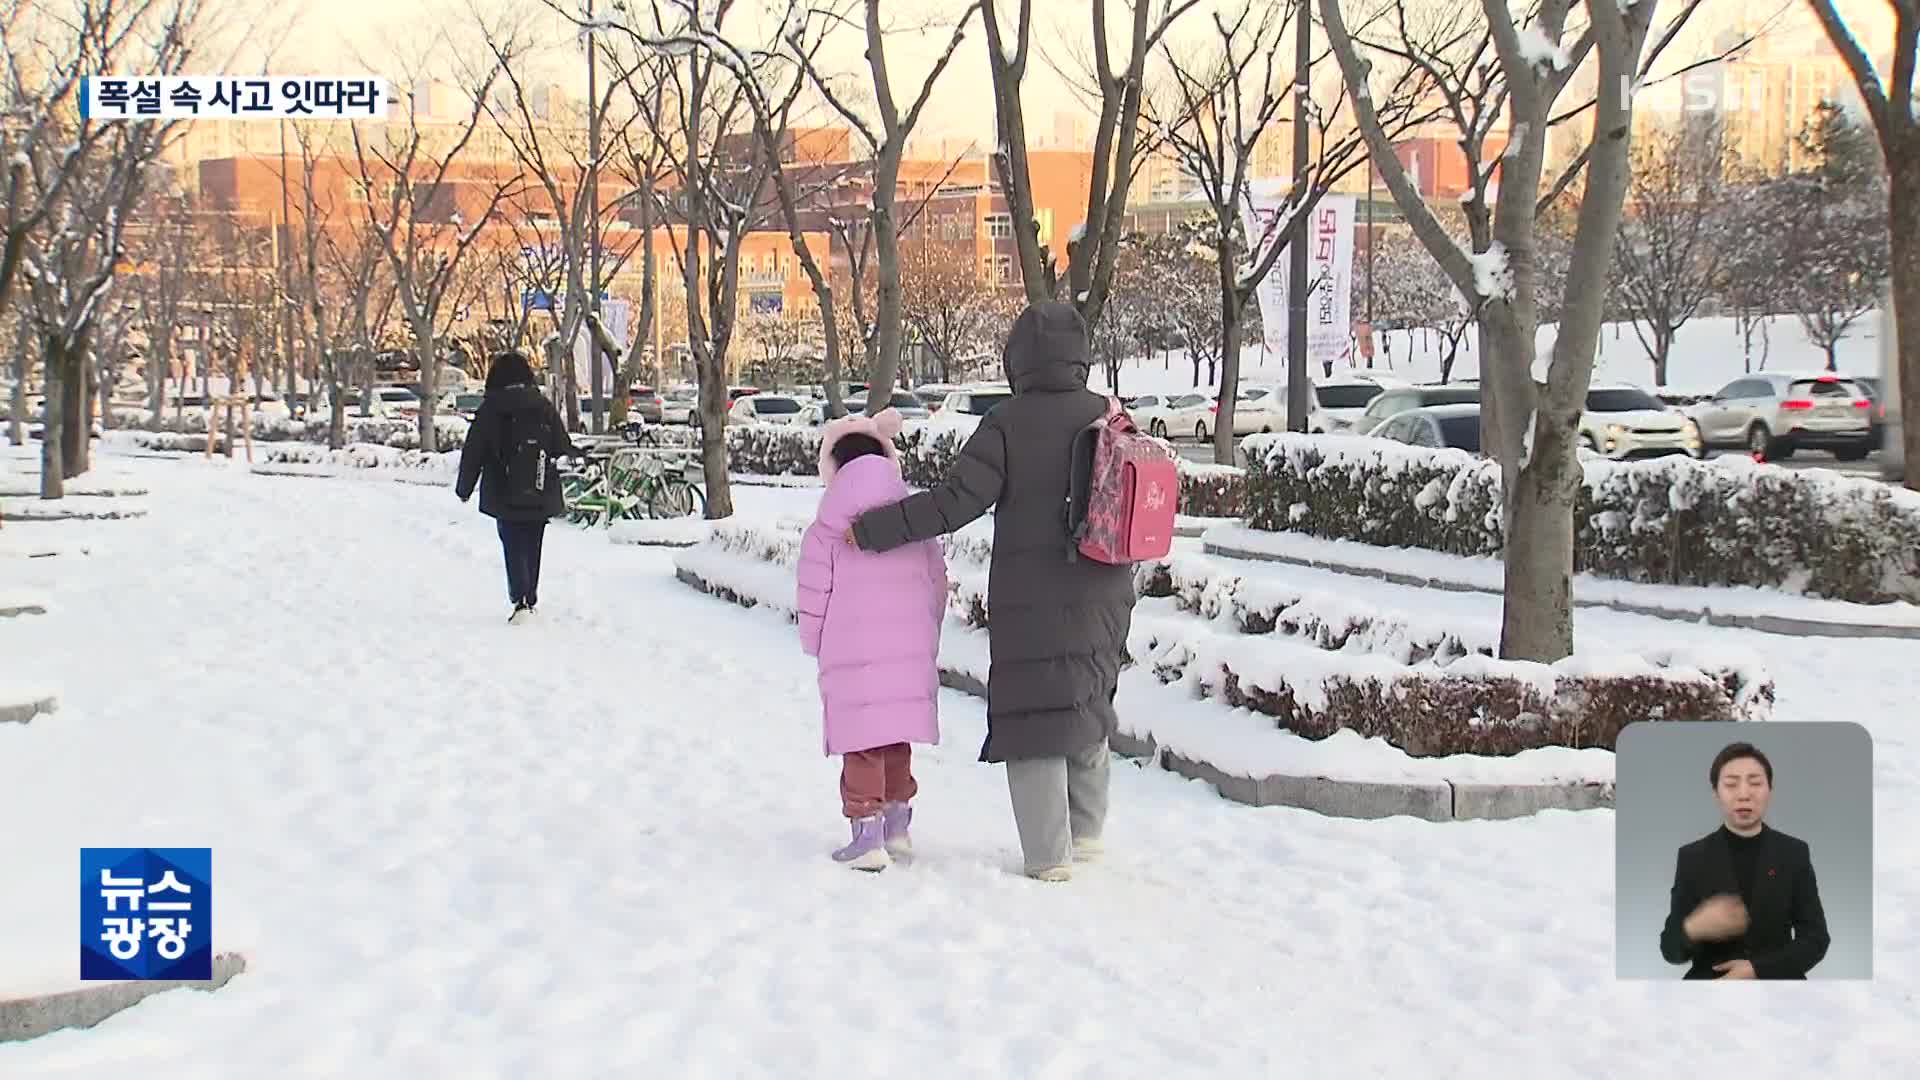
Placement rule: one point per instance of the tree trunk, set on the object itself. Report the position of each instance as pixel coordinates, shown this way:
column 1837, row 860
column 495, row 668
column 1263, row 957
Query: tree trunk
column 1537, row 606
column 1662, row 348
column 52, row 414
column 336, row 399
column 713, row 430
column 1231, row 308
column 429, row 384
column 22, row 367
column 889, row 306
column 104, row 383
column 1903, row 214
column 77, row 401
column 158, row 367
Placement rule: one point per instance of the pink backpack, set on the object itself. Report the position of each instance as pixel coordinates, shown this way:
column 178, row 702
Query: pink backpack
column 1123, row 492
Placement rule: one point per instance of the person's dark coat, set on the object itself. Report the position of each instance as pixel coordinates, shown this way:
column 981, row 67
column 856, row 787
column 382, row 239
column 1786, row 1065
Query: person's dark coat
column 1058, row 627
column 1786, row 926
column 482, row 461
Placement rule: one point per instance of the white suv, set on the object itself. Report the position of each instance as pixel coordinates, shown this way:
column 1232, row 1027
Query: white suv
column 1773, row 414
column 1626, row 422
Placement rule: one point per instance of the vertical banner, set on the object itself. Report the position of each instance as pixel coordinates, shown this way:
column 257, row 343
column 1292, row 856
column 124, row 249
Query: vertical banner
column 615, row 316
column 1261, row 216
column 1330, row 269
column 1329, row 237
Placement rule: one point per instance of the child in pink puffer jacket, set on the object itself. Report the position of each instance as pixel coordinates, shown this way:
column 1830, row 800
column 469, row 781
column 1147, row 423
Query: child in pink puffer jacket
column 873, row 621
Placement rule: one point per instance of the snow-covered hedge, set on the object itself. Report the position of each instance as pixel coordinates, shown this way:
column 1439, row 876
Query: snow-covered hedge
column 1421, row 675
column 163, row 441
column 363, row 456
column 403, row 434
column 927, row 455
column 1318, row 663
column 1669, row 521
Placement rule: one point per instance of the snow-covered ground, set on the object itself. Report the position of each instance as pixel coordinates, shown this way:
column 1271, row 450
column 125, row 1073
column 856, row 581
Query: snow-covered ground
column 596, row 846
column 1707, row 354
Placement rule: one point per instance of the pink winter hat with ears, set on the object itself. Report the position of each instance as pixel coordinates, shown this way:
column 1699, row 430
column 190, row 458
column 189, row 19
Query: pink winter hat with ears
column 883, row 425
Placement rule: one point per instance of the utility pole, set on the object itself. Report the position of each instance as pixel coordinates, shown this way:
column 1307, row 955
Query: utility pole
column 1299, row 391
column 593, row 227
column 286, row 286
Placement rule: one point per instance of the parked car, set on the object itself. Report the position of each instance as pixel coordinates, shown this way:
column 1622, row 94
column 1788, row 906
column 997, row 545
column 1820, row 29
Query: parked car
column 1392, row 401
column 680, row 405
column 1625, row 422
column 395, row 403
column 909, row 405
column 1165, row 415
column 934, row 395
column 466, row 405
column 1342, row 402
column 1456, row 426
column 735, row 393
column 767, row 409
column 645, row 403
column 963, row 409
column 1256, row 409
column 1775, row 414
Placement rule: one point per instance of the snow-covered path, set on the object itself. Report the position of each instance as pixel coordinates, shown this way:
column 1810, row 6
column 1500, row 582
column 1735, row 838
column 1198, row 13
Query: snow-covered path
column 596, row 847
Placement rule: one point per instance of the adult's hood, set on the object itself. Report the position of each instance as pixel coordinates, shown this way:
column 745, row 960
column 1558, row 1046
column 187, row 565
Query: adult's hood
column 518, row 397
column 1047, row 350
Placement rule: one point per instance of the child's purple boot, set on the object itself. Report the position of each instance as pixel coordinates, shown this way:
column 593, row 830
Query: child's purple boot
column 868, row 850
column 897, row 816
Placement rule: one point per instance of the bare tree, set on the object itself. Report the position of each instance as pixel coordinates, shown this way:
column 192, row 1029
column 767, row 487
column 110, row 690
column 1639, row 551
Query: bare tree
column 1222, row 104
column 886, row 138
column 414, row 204
column 1537, row 400
column 1413, row 292
column 73, row 185
column 1672, row 249
column 945, row 303
column 1895, row 112
column 170, row 248
column 766, row 79
column 42, row 144
column 1834, row 253
column 563, row 162
column 720, row 196
column 1093, row 246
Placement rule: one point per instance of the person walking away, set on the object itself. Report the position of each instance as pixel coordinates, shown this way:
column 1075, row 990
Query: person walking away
column 512, row 452
column 1058, row 627
column 873, row 621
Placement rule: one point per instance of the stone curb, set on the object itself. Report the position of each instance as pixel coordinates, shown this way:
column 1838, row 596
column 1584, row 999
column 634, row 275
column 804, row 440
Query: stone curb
column 1432, row 800
column 1767, row 624
column 97, row 493
column 31, row 1017
column 14, row 611
column 20, row 513
column 21, row 712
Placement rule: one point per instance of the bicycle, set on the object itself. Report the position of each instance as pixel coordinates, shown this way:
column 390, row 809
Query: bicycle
column 631, row 485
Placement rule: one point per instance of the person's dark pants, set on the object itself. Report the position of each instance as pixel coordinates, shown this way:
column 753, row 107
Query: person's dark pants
column 520, row 542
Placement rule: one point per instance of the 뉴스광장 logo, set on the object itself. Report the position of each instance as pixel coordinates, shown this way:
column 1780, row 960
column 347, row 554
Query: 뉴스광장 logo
column 146, row 913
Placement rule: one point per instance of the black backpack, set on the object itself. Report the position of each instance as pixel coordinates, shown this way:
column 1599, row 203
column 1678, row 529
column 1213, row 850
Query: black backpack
column 523, row 459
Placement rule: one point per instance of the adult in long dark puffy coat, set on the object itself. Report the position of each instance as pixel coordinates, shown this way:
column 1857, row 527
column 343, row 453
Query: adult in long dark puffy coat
column 1058, row 625
column 513, row 402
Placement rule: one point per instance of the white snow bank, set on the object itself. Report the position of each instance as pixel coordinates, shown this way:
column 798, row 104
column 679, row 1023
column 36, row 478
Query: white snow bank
column 1235, row 741
column 361, row 456
column 1240, row 742
column 1487, row 574
column 668, row 531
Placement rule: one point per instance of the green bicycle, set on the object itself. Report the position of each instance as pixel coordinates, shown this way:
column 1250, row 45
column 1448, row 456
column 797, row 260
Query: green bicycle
column 629, row 485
